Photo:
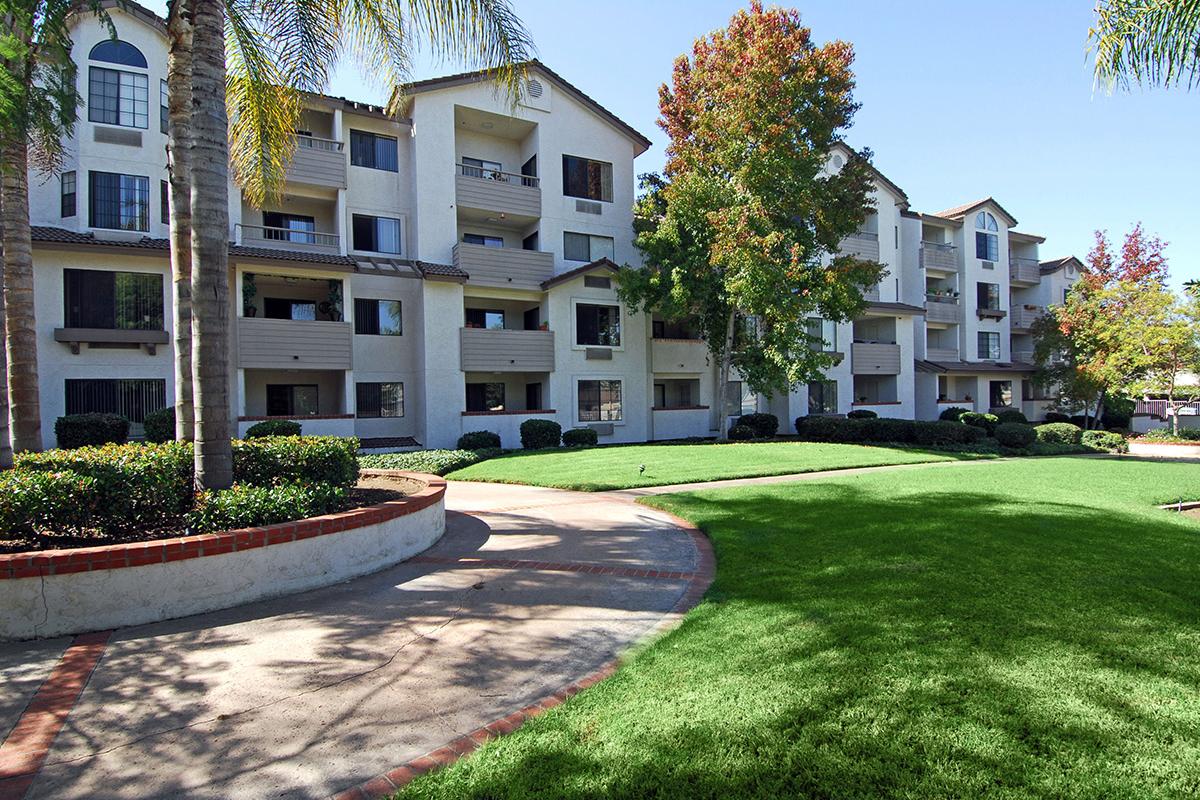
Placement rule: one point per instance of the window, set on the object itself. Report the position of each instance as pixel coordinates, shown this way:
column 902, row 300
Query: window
column 823, row 333
column 1066, row 295
column 591, row 180
column 283, row 308
column 482, row 318
column 987, row 296
column 482, row 168
column 533, row 396
column 118, row 98
column 68, row 194
column 989, row 345
column 114, row 51
column 289, row 227
column 163, row 114
column 374, row 151
column 485, row 397
column 586, row 247
column 377, row 317
column 597, row 326
column 376, row 234
column 822, row 397
column 599, row 401
column 987, row 243
column 375, row 400
column 131, row 398
column 117, row 201
column 739, row 399
column 484, row 241
column 292, row 400
column 597, row 282
column 164, row 202
column 129, row 301
column 1000, row 393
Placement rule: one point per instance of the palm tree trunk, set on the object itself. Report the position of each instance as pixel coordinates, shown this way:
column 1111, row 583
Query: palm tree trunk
column 20, row 325
column 209, row 157
column 6, row 453
column 179, row 107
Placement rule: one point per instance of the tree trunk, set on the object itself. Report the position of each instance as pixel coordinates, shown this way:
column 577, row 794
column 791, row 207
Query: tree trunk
column 209, row 157
column 722, row 392
column 179, row 106
column 6, row 453
column 21, row 328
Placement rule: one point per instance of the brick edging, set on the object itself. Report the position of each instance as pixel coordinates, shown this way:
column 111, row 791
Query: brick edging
column 40, row 563
column 385, row 784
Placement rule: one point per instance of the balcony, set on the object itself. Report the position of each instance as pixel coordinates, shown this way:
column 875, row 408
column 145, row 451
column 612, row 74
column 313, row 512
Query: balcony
column 293, row 344
column 503, row 192
column 288, row 239
column 872, row 295
column 1024, row 271
column 941, row 353
column 499, row 350
column 318, row 162
column 1023, row 356
column 505, row 267
column 678, row 356
column 939, row 257
column 939, row 308
column 861, row 245
column 874, row 358
column 1023, row 317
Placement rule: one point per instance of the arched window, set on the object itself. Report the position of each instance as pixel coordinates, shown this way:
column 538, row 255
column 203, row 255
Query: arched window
column 114, row 51
column 985, row 222
column 987, row 243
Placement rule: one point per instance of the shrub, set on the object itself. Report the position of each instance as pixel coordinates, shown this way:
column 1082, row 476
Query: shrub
column 952, row 414
column 1082, row 421
column 1165, row 435
column 1116, row 419
column 944, row 432
column 1012, row 415
column 764, row 426
column 987, row 422
column 273, row 427
column 479, row 440
column 882, row 429
column 799, row 423
column 1057, row 416
column 1015, row 435
column 1058, row 433
column 831, row 429
column 279, row 460
column 1106, row 441
column 580, row 437
column 433, row 462
column 537, row 434
column 246, row 506
column 83, row 430
column 32, row 501
column 160, row 425
column 741, row 433
column 862, row 413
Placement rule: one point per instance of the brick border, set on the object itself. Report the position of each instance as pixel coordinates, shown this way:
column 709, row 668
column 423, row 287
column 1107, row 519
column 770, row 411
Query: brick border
column 385, row 784
column 41, row 563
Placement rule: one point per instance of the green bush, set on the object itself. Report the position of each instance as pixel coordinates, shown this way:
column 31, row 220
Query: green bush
column 1057, row 416
column 952, row 414
column 1165, row 435
column 280, row 460
column 433, row 462
column 1106, row 441
column 862, row 413
column 84, row 430
column 942, row 432
column 246, row 506
column 741, row 433
column 831, row 429
column 160, row 425
column 538, row 434
column 987, row 422
column 580, row 437
column 882, row 429
column 764, row 426
column 1012, row 415
column 33, row 501
column 1015, row 435
column 1116, row 419
column 1058, row 433
column 273, row 427
column 479, row 440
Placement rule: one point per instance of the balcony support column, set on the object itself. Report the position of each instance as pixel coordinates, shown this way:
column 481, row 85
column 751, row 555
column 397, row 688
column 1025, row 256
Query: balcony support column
column 340, row 226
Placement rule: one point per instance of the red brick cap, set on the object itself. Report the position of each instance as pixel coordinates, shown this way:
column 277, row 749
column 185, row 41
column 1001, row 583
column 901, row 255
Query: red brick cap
column 39, row 563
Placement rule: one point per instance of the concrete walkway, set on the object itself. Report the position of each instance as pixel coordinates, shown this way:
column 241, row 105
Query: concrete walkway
column 307, row 695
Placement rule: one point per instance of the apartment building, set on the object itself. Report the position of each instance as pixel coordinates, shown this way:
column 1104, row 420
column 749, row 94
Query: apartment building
column 453, row 270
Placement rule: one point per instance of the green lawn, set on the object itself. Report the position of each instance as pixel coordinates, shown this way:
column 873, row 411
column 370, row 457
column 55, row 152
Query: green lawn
column 602, row 468
column 1027, row 628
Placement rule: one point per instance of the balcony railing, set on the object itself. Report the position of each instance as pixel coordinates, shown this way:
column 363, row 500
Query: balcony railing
column 941, row 353
column 293, row 344
column 507, row 267
column 935, row 255
column 1023, row 356
column 495, row 175
column 318, row 162
column 1023, row 317
column 493, row 190
column 940, row 308
column 317, row 143
column 1023, row 270
column 874, row 358
column 287, row 238
column 503, row 350
column 861, row 245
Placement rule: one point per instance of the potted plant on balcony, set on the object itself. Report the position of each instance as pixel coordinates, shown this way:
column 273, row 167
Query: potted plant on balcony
column 249, row 292
column 545, row 326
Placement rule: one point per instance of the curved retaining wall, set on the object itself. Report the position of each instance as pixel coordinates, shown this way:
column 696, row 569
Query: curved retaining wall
column 1164, row 450
column 56, row 592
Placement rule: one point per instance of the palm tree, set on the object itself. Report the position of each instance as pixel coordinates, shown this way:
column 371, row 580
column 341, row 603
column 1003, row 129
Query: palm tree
column 277, row 50
column 179, row 102
column 1192, row 288
column 1147, row 42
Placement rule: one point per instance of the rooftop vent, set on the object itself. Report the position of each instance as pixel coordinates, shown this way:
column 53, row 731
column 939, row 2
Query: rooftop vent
column 534, row 87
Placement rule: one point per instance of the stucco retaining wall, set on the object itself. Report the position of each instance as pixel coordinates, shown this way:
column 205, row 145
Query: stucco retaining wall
column 56, row 592
column 1163, row 450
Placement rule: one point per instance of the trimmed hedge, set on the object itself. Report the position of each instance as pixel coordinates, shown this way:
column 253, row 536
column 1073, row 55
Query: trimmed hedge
column 1106, row 441
column 942, row 433
column 882, row 429
column 764, row 426
column 246, row 506
column 434, row 462
column 36, row 502
column 1165, row 435
column 280, row 460
column 160, row 425
column 1116, row 419
column 538, row 434
column 862, row 413
column 953, row 413
column 1058, row 433
column 580, row 437
column 1012, row 415
column 987, row 422
column 84, row 430
column 479, row 440
column 741, row 433
column 273, row 427
column 1015, row 435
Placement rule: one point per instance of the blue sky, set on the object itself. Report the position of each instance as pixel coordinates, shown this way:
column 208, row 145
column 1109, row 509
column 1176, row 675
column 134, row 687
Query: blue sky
column 959, row 100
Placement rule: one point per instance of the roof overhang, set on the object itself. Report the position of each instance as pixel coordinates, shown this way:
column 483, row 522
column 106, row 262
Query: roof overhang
column 578, row 272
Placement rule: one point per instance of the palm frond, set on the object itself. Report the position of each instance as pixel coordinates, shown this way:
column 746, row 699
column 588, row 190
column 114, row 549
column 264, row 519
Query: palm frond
column 1146, row 42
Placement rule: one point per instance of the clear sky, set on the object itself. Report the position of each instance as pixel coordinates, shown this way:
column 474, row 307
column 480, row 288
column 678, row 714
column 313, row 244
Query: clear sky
column 959, row 101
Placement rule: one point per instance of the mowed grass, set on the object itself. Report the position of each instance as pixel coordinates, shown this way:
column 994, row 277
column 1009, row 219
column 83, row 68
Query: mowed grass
column 1015, row 629
column 603, row 468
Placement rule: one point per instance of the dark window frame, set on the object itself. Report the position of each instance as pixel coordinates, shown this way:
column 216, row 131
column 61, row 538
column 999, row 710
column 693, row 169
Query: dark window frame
column 132, row 398
column 107, row 93
column 592, row 331
column 988, row 352
column 825, row 404
column 98, row 217
column 987, row 299
column 69, row 197
column 587, row 178
column 478, row 396
column 369, row 317
column 92, row 299
column 987, row 246
column 291, row 399
column 595, row 391
column 370, row 394
column 365, row 236
column 374, row 151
